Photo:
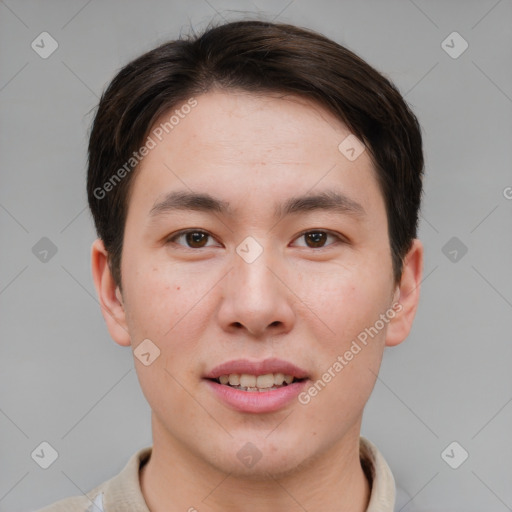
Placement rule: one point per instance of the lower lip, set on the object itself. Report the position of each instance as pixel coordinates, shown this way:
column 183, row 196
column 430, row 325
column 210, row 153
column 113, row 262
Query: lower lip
column 257, row 401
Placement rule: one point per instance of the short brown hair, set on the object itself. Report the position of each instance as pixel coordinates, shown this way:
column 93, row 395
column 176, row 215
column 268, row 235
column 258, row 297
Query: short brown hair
column 259, row 57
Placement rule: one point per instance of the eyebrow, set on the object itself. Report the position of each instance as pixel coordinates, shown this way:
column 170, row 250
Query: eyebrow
column 327, row 200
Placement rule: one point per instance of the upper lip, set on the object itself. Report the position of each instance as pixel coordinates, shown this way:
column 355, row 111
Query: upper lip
column 264, row 367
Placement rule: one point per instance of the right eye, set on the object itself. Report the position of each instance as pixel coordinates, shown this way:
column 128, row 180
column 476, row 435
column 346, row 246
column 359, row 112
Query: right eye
column 193, row 238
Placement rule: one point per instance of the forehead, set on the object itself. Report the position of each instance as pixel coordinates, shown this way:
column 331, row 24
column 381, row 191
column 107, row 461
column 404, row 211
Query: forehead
column 234, row 142
column 255, row 126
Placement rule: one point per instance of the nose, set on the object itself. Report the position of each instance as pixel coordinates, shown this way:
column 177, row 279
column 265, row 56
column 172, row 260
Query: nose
column 256, row 298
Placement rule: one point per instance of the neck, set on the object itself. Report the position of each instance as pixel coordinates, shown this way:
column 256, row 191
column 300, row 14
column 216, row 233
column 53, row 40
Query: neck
column 176, row 479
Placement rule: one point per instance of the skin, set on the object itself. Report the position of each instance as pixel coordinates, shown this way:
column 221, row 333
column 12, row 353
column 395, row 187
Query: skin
column 298, row 301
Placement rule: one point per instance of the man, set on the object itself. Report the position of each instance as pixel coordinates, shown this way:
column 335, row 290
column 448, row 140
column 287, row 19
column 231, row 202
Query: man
column 255, row 191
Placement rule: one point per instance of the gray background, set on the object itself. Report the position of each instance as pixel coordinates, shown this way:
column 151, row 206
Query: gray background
column 64, row 381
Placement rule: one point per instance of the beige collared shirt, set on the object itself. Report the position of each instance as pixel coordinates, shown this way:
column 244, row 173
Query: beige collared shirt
column 122, row 493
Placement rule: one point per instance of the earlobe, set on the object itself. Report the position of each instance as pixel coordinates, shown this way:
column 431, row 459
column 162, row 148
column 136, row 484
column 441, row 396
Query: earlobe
column 407, row 296
column 109, row 295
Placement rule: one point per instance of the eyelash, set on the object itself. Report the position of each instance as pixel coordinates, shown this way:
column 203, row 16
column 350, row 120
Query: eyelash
column 184, row 232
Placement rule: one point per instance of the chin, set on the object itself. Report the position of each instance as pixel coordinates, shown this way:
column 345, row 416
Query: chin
column 255, row 458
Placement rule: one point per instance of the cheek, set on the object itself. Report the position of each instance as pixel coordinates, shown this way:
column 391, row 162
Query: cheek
column 161, row 308
column 344, row 301
column 148, row 297
column 349, row 357
column 168, row 306
column 349, row 352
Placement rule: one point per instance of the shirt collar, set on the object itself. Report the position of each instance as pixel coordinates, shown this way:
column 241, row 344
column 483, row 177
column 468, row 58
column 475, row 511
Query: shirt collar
column 123, row 492
column 383, row 491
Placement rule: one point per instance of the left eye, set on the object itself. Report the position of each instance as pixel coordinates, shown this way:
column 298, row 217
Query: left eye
column 317, row 239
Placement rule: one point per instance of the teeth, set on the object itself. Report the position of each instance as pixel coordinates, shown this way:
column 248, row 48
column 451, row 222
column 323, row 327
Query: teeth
column 278, row 379
column 265, row 381
column 256, row 382
column 234, row 379
column 247, row 381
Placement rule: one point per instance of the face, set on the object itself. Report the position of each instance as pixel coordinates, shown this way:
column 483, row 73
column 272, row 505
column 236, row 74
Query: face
column 249, row 280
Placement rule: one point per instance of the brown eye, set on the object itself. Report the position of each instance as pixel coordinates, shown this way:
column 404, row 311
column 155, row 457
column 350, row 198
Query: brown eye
column 196, row 238
column 317, row 238
column 193, row 239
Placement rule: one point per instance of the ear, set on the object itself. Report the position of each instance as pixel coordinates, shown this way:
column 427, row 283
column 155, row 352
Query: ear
column 407, row 296
column 109, row 295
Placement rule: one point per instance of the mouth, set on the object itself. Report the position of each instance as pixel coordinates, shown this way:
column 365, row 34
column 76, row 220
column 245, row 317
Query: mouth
column 256, row 383
column 257, row 386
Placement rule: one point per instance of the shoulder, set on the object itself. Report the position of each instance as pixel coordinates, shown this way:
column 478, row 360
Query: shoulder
column 122, row 488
